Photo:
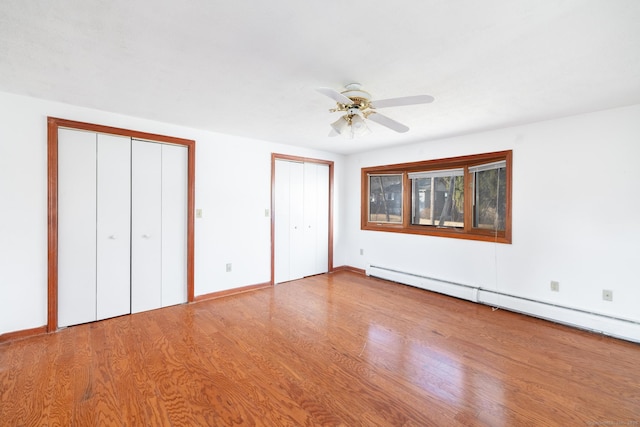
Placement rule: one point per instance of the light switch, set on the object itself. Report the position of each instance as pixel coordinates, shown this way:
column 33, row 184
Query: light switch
column 198, row 213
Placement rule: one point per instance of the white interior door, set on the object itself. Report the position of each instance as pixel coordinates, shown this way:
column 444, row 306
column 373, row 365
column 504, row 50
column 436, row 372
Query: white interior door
column 146, row 226
column 113, row 273
column 297, row 254
column 301, row 246
column 317, row 218
column 174, row 224
column 282, row 219
column 322, row 222
column 309, row 248
column 289, row 231
column 76, row 227
column 122, row 226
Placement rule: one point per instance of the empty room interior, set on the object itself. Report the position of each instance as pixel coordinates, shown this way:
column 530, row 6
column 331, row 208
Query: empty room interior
column 415, row 213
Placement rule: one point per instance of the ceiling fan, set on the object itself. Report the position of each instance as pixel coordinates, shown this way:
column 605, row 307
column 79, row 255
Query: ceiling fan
column 358, row 106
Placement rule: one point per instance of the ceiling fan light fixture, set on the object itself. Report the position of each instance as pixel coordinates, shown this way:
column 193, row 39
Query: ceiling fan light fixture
column 358, row 126
column 341, row 125
column 351, row 126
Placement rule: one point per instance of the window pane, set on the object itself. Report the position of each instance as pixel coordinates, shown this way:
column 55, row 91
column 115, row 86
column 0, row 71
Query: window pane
column 421, row 201
column 490, row 202
column 467, row 197
column 385, row 198
column 438, row 201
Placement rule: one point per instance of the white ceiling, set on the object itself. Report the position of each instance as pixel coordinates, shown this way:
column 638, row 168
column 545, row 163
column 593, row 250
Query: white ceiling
column 250, row 68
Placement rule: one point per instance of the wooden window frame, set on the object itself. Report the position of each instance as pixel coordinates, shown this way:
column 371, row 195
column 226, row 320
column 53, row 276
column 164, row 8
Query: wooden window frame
column 468, row 232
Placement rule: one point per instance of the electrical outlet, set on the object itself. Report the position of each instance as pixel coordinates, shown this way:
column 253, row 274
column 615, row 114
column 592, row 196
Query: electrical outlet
column 228, row 267
column 361, row 251
column 555, row 286
column 607, row 295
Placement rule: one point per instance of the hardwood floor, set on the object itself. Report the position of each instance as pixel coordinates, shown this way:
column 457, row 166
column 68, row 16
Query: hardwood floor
column 339, row 349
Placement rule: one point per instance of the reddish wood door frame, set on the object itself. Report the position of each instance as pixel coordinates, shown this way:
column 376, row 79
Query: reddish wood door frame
column 53, row 124
column 276, row 156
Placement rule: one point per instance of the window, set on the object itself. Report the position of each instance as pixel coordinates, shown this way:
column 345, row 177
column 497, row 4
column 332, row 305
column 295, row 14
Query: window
column 438, row 198
column 463, row 197
column 489, row 195
column 385, row 198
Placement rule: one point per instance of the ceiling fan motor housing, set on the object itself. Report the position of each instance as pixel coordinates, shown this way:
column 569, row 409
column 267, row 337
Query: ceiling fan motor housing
column 358, row 102
column 360, row 98
column 357, row 105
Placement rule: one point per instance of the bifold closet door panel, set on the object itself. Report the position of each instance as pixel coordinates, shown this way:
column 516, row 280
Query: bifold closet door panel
column 76, row 227
column 289, row 222
column 296, row 212
column 174, row 224
column 113, row 274
column 282, row 233
column 316, row 212
column 310, row 205
column 146, row 226
column 322, row 221
column 316, row 221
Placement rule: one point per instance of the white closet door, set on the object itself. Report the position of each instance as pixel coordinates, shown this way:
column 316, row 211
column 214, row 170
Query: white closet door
column 174, row 224
column 282, row 234
column 146, row 226
column 309, row 248
column 297, row 266
column 289, row 222
column 316, row 219
column 113, row 226
column 301, row 246
column 76, row 227
column 321, row 219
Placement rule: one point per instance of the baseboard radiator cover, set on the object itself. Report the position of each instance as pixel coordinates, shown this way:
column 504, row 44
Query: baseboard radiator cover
column 595, row 322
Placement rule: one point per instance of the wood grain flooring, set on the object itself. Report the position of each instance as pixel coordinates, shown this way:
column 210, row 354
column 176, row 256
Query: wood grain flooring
column 329, row 350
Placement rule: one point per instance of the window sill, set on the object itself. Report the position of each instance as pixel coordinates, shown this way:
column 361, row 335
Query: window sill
column 478, row 235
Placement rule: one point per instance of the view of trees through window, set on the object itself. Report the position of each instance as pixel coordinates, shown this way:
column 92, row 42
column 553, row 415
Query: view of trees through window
column 385, row 198
column 490, row 199
column 438, row 201
column 465, row 197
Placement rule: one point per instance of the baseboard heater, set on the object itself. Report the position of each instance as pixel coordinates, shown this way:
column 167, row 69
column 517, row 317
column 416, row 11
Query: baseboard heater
column 596, row 322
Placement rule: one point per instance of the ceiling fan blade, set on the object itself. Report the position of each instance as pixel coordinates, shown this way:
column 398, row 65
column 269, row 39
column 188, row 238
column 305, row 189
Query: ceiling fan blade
column 405, row 100
column 335, row 95
column 386, row 121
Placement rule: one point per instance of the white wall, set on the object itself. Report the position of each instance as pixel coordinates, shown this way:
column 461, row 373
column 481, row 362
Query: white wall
column 576, row 207
column 233, row 188
column 575, row 210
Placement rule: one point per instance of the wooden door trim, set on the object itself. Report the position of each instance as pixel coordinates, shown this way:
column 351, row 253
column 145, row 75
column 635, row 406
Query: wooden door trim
column 287, row 157
column 53, row 124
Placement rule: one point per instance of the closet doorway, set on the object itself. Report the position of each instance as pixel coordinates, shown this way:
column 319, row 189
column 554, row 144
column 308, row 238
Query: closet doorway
column 121, row 229
column 301, row 221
